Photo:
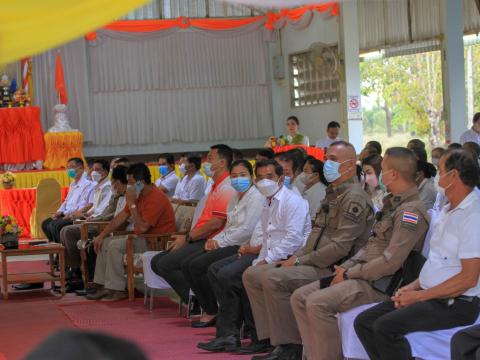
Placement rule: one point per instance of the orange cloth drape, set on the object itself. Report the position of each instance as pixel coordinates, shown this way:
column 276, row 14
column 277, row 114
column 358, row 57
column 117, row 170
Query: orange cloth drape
column 62, row 146
column 19, row 203
column 217, row 24
column 21, row 135
column 312, row 151
column 60, row 80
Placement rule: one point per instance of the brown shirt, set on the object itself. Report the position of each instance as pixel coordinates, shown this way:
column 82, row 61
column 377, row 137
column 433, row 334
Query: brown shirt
column 346, row 214
column 401, row 227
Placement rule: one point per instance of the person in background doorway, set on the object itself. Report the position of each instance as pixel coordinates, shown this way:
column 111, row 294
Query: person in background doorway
column 333, row 129
column 473, row 134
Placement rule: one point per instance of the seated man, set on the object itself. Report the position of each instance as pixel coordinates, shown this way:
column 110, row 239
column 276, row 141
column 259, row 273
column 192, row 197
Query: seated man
column 279, row 233
column 71, row 234
column 76, row 202
column 151, row 212
column 168, row 178
column 291, row 168
column 192, row 186
column 173, row 265
column 446, row 294
column 242, row 216
column 342, row 226
column 400, row 228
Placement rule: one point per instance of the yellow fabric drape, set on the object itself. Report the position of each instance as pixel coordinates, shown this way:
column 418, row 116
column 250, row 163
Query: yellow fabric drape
column 61, row 146
column 28, row 27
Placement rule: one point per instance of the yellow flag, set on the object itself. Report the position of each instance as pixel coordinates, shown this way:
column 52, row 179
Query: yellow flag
column 28, row 27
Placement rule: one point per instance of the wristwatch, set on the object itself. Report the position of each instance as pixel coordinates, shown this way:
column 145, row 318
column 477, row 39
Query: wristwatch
column 297, row 262
column 345, row 275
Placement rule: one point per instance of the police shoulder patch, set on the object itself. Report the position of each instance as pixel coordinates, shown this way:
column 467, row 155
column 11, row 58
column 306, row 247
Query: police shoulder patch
column 409, row 220
column 354, row 211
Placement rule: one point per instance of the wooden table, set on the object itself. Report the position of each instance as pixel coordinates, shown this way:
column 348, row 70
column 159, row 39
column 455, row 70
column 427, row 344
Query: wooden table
column 38, row 277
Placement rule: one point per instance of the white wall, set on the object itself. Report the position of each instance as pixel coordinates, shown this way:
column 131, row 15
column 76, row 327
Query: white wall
column 313, row 119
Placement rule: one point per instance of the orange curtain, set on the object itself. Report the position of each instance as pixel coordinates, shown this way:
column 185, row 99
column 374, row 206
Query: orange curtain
column 217, row 24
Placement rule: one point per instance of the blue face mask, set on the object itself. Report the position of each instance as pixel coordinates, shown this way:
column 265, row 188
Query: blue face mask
column 287, row 182
column 71, row 173
column 139, row 187
column 163, row 169
column 330, row 170
column 241, row 184
column 382, row 185
column 207, row 169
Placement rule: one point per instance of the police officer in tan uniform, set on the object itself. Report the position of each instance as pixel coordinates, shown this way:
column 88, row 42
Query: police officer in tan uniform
column 341, row 227
column 400, row 228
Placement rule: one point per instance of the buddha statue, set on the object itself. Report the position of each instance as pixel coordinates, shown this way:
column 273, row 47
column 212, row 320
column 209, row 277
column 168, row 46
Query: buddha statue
column 61, row 119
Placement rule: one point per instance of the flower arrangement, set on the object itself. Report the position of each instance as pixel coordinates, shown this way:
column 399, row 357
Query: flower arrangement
column 8, row 179
column 8, row 225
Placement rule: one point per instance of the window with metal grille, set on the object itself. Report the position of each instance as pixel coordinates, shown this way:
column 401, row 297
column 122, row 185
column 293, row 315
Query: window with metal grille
column 310, row 86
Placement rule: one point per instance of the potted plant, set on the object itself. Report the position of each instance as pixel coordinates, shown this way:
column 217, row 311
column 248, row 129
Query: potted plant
column 8, row 180
column 9, row 232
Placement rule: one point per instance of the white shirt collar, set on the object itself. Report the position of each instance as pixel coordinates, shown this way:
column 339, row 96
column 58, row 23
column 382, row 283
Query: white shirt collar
column 465, row 203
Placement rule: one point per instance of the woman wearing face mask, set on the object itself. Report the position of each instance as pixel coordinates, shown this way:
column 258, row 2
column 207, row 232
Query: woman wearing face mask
column 372, row 167
column 242, row 216
column 426, row 187
column 315, row 185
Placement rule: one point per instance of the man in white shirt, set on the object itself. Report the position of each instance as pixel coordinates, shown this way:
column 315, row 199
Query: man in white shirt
column 192, row 186
column 76, row 202
column 291, row 168
column 168, row 178
column 473, row 134
column 283, row 216
column 446, row 294
column 333, row 129
column 69, row 235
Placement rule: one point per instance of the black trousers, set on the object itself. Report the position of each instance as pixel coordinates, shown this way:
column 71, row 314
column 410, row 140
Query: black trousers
column 382, row 328
column 51, row 228
column 196, row 275
column 234, row 308
column 173, row 265
column 466, row 344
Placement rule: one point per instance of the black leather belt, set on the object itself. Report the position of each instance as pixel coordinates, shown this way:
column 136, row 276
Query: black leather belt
column 471, row 299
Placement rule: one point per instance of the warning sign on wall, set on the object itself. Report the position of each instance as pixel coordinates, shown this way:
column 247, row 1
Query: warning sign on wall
column 354, row 108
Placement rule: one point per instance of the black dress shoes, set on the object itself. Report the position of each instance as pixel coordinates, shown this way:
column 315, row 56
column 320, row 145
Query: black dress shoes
column 256, row 347
column 28, row 286
column 85, row 291
column 283, row 352
column 227, row 343
column 203, row 324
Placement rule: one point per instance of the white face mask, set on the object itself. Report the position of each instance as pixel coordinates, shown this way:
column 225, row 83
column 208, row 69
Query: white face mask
column 267, row 187
column 96, row 176
column 441, row 190
column 182, row 169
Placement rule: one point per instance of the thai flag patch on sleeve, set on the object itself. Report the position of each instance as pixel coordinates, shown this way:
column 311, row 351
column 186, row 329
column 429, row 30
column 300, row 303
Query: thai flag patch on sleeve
column 410, row 217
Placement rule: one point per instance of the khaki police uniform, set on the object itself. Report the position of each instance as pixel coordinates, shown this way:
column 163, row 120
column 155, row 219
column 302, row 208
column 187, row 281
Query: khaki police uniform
column 401, row 229
column 342, row 225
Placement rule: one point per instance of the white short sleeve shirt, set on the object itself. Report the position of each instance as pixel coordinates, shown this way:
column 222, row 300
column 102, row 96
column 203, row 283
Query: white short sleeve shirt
column 169, row 182
column 455, row 237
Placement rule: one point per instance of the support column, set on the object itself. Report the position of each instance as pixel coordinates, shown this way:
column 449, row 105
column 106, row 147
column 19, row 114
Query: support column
column 349, row 46
column 453, row 69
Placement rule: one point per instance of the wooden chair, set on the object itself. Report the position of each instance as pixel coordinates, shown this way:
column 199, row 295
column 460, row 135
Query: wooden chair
column 48, row 201
column 156, row 242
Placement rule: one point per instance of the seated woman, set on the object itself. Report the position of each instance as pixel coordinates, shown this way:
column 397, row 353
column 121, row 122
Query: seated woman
column 426, row 187
column 372, row 166
column 293, row 137
column 315, row 184
column 242, row 216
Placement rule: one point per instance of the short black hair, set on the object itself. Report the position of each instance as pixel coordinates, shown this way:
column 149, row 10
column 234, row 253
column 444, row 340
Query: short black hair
column 427, row 169
column 405, row 162
column 237, row 154
column 245, row 163
column 267, row 152
column 289, row 156
column 317, row 167
column 195, row 159
column 120, row 173
column 454, row 146
column 465, row 163
column 168, row 158
column 376, row 145
column 299, row 154
column 294, row 118
column 415, row 143
column 420, row 153
column 224, row 152
column 333, row 124
column 375, row 161
column 140, row 172
column 103, row 163
column 269, row 162
column 473, row 147
column 77, row 161
column 476, row 117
